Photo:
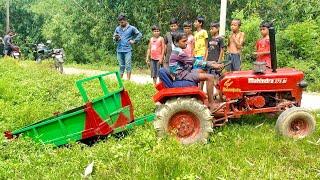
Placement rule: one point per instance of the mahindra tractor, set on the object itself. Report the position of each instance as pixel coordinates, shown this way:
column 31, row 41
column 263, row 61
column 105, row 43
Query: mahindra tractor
column 183, row 111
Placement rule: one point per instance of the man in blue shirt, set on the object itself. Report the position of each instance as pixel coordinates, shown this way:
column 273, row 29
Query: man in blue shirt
column 125, row 35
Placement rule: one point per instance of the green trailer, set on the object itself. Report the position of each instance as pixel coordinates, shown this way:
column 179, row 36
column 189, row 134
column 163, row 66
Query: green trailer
column 99, row 117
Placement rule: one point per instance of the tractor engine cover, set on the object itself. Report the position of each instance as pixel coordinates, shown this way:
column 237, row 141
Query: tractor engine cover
column 235, row 85
column 256, row 101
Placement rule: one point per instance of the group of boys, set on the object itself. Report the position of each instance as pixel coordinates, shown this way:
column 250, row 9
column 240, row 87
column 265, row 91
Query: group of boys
column 190, row 56
column 202, row 48
column 199, row 46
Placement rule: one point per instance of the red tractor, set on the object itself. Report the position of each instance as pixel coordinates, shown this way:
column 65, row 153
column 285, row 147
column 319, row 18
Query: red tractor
column 183, row 112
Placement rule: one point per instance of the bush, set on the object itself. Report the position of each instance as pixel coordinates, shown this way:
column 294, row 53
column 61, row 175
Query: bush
column 301, row 41
column 298, row 47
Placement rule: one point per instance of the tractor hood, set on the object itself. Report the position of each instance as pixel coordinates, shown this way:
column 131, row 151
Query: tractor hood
column 234, row 84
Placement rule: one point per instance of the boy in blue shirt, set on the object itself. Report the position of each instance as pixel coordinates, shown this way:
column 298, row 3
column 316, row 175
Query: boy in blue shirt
column 125, row 35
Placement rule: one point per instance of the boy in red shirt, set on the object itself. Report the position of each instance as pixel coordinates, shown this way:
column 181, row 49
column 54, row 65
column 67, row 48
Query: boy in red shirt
column 155, row 51
column 263, row 45
column 187, row 28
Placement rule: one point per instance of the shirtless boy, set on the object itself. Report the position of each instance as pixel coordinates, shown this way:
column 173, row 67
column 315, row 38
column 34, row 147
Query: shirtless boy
column 235, row 45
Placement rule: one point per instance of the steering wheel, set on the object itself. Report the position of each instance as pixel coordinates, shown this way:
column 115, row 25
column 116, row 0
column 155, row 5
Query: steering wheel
column 219, row 71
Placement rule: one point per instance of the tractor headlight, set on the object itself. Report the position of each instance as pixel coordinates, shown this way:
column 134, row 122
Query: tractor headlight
column 303, row 84
column 259, row 67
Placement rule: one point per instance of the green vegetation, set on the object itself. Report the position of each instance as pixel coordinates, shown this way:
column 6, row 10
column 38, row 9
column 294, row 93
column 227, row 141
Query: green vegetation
column 248, row 148
column 84, row 28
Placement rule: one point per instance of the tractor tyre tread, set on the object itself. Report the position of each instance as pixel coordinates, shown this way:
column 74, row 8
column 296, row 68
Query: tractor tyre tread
column 285, row 118
column 165, row 111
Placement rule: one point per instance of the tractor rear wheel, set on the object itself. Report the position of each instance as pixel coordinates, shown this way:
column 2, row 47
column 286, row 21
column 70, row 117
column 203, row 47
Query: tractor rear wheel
column 296, row 122
column 187, row 119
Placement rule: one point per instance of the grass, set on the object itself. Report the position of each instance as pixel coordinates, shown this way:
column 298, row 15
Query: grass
column 244, row 149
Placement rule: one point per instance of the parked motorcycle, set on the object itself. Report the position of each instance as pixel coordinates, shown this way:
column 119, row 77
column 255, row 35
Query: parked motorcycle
column 15, row 50
column 58, row 56
column 15, row 53
column 42, row 51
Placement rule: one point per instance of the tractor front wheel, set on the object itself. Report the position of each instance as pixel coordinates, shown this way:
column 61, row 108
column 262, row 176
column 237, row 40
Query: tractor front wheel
column 296, row 122
column 187, row 119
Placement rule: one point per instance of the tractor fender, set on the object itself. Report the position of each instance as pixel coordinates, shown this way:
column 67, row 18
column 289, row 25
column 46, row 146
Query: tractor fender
column 168, row 93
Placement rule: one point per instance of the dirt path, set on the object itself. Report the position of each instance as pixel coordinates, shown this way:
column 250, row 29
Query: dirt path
column 136, row 78
column 309, row 100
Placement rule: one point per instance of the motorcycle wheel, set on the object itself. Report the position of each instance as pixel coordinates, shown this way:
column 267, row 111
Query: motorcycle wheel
column 60, row 66
column 38, row 60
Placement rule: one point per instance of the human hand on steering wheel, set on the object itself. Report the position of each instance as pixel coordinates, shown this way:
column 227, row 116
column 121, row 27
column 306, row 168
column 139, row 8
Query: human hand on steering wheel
column 217, row 66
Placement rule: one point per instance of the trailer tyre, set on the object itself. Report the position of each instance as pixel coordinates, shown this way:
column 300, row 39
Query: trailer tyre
column 187, row 119
column 296, row 122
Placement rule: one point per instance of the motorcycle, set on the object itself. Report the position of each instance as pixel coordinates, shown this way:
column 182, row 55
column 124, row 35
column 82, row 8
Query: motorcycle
column 42, row 51
column 58, row 56
column 15, row 53
column 15, row 50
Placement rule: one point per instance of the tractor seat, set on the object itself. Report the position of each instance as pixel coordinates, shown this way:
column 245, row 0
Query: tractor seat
column 168, row 82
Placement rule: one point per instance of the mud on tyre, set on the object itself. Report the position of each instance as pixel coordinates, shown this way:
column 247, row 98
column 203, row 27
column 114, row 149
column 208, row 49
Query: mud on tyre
column 296, row 122
column 187, row 119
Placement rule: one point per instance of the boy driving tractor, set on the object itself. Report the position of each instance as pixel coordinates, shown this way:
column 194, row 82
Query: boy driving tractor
column 181, row 66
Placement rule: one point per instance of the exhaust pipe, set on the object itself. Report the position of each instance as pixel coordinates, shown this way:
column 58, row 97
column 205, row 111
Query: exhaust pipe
column 273, row 48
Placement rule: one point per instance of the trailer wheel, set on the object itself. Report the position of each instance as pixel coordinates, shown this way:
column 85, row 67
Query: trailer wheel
column 295, row 122
column 187, row 119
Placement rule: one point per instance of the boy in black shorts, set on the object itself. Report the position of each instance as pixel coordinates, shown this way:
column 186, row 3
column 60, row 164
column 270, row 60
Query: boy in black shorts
column 215, row 44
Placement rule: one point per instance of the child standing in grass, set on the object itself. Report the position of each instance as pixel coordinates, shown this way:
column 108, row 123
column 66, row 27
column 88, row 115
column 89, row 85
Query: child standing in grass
column 155, row 52
column 187, row 28
column 216, row 44
column 263, row 45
